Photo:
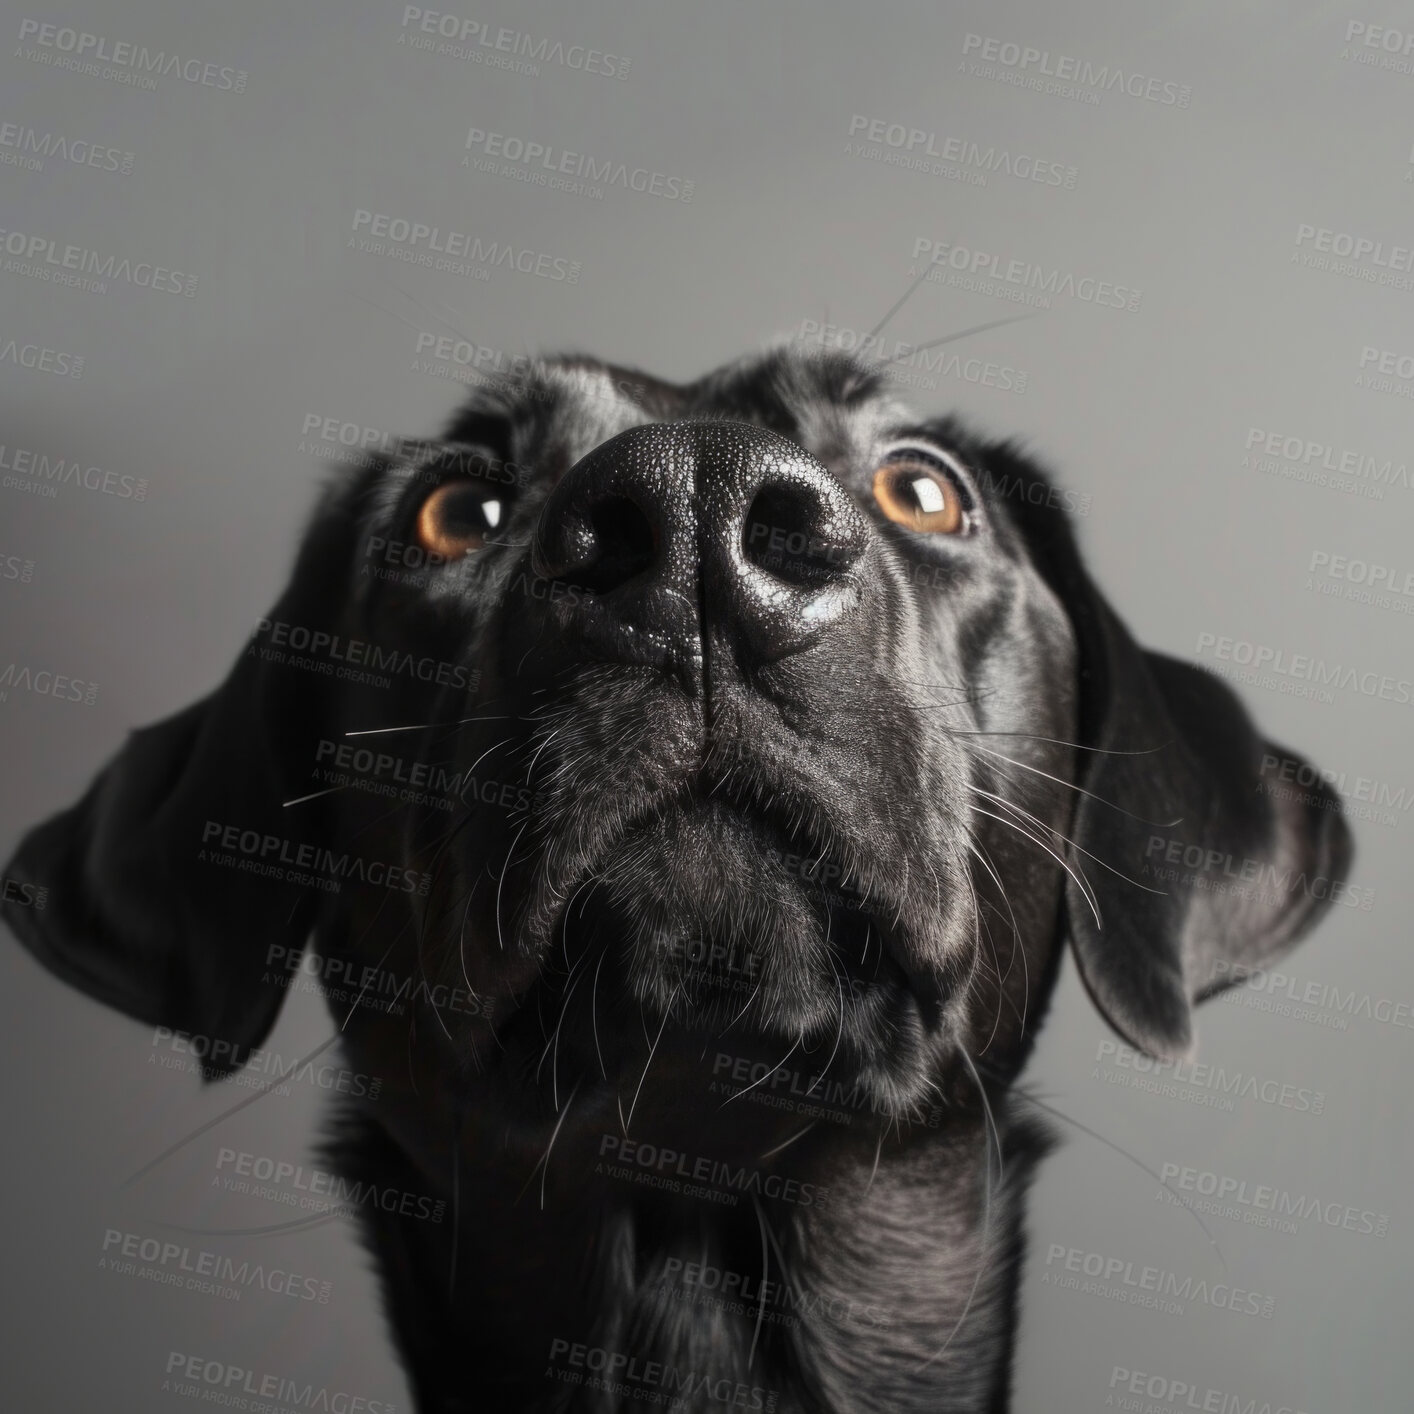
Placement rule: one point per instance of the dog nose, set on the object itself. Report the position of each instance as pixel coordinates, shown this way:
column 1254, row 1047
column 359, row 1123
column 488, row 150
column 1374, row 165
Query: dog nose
column 687, row 531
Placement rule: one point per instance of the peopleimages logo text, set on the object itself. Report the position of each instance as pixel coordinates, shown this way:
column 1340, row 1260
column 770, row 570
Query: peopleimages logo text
column 199, row 1269
column 1215, row 1079
column 478, row 42
column 1126, row 1280
column 222, row 1383
column 541, row 158
column 1014, row 277
column 621, row 1372
column 1266, row 1198
column 1302, row 667
column 277, row 635
column 24, row 146
column 420, row 239
column 323, row 1184
column 1064, row 68
column 274, row 854
column 43, row 257
column 677, row 1167
column 918, row 143
column 1183, row 1394
column 80, row 47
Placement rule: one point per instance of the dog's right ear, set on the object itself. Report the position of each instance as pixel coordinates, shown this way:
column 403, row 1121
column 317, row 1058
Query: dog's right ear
column 1172, row 768
column 131, row 896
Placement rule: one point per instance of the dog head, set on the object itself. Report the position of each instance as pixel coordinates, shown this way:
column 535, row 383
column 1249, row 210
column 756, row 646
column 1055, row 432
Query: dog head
column 630, row 710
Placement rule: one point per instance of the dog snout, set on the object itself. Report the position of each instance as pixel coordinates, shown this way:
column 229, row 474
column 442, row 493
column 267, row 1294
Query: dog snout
column 682, row 534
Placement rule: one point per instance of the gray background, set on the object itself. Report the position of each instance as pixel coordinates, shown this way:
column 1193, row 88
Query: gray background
column 1145, row 412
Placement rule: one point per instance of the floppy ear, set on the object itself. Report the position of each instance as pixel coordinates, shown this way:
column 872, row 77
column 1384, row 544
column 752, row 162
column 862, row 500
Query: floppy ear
column 137, row 912
column 1199, row 866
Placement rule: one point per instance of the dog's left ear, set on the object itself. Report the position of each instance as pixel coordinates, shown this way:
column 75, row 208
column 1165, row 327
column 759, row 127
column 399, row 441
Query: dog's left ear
column 135, row 895
column 1199, row 868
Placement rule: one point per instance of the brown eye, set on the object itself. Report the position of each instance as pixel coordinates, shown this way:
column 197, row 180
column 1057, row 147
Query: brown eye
column 456, row 519
column 919, row 498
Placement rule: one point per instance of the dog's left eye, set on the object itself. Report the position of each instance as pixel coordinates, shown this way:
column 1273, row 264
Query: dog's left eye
column 920, row 497
column 457, row 517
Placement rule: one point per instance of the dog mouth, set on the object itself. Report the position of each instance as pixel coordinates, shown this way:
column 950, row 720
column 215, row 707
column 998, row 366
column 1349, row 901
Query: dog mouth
column 724, row 973
column 721, row 916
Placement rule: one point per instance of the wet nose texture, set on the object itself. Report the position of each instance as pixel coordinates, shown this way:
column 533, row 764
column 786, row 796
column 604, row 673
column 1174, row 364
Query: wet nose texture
column 684, row 535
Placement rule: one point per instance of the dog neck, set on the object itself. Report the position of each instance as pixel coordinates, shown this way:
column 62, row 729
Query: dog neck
column 829, row 1295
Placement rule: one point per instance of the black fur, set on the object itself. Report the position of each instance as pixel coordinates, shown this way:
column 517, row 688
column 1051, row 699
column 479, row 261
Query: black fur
column 721, row 852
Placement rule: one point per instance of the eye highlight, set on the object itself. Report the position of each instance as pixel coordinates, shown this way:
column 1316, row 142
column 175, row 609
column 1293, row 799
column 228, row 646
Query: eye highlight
column 457, row 517
column 920, row 496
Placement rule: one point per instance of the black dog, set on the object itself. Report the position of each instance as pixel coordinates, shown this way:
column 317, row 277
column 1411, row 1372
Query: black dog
column 716, row 771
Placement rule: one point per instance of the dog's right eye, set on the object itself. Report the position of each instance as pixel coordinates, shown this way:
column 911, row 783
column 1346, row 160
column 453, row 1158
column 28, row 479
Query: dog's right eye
column 920, row 496
column 457, row 517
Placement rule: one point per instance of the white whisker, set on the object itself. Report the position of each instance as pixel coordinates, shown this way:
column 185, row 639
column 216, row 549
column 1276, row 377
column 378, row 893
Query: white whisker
column 422, row 726
column 314, row 795
column 1081, row 883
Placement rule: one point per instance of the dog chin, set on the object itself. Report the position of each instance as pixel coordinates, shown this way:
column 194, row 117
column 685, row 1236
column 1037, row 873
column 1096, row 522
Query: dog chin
column 708, row 934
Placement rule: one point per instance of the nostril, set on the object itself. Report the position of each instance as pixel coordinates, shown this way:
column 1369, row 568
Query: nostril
column 791, row 533
column 623, row 543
